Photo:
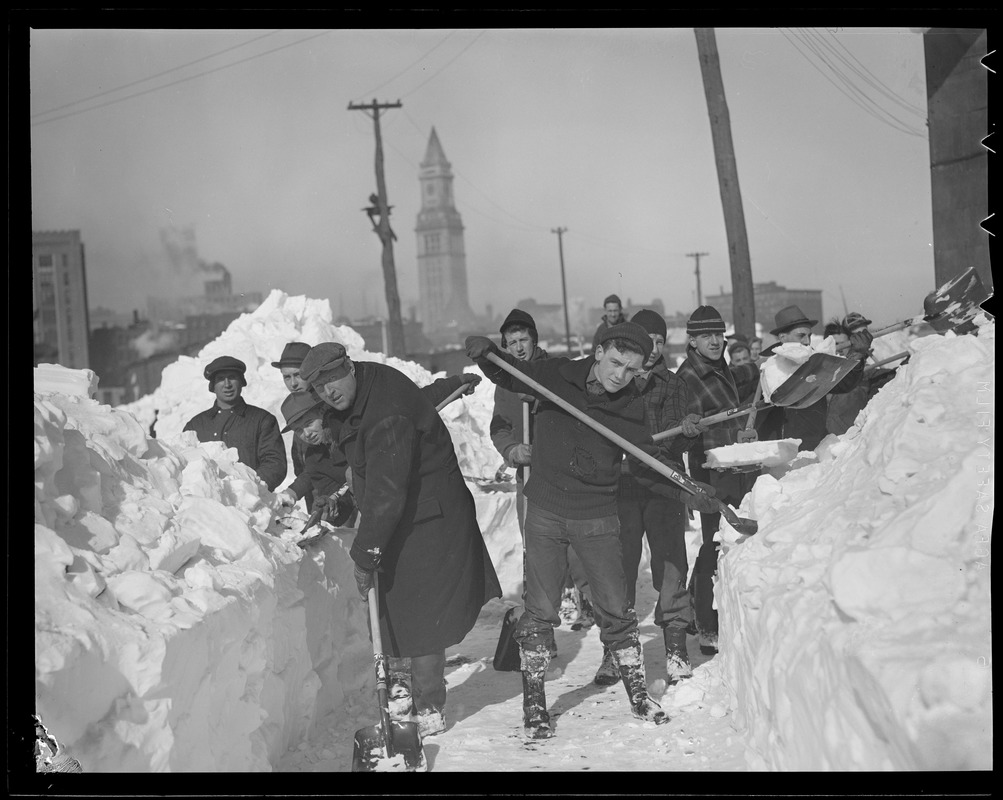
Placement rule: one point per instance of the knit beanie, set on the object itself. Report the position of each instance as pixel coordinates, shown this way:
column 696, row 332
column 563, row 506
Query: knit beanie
column 651, row 321
column 613, row 299
column 630, row 331
column 705, row 319
column 519, row 318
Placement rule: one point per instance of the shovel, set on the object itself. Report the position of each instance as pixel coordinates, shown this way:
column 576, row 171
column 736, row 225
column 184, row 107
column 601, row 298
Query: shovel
column 388, row 746
column 745, row 526
column 950, row 307
column 748, row 433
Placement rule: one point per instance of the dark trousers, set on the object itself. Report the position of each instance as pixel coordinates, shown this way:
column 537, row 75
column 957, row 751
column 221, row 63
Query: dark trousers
column 428, row 687
column 663, row 521
column 731, row 488
column 597, row 545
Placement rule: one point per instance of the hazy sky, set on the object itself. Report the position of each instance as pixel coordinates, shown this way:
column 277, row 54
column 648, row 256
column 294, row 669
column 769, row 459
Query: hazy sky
column 246, row 136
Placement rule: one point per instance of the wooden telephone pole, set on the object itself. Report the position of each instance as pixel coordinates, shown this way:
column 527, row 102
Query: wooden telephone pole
column 380, row 209
column 697, row 272
column 743, row 297
column 564, row 292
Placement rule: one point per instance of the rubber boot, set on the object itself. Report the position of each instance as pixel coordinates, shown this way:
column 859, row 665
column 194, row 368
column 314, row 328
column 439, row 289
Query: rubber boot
column 607, row 674
column 677, row 661
column 630, row 663
column 536, row 720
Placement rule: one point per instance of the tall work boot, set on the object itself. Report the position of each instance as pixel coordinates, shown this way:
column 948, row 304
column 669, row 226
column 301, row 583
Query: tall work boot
column 536, row 720
column 607, row 674
column 630, row 662
column 677, row 660
column 399, row 697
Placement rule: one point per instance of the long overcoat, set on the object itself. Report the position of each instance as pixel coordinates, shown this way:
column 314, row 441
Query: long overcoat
column 418, row 523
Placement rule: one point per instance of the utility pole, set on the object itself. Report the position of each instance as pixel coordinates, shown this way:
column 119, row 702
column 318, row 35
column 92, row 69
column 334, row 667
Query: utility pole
column 743, row 298
column 381, row 226
column 697, row 271
column 564, row 292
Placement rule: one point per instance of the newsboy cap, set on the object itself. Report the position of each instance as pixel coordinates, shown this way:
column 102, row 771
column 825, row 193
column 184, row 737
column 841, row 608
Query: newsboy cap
column 706, row 319
column 296, row 409
column 791, row 317
column 326, row 362
column 630, row 331
column 651, row 321
column 225, row 363
column 292, row 355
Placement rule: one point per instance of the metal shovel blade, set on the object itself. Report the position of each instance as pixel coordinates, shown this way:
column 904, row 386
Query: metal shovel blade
column 370, row 754
column 812, row 381
column 954, row 304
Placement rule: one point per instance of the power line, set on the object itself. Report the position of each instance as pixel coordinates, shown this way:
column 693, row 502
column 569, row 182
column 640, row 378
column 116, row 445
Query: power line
column 817, row 41
column 151, row 77
column 901, row 126
column 180, row 80
column 420, row 58
column 436, row 73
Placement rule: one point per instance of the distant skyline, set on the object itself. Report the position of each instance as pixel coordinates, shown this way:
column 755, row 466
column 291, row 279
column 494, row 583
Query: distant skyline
column 245, row 137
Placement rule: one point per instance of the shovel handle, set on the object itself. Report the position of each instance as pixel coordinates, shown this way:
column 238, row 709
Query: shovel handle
column 455, row 393
column 680, row 480
column 888, row 360
column 380, row 663
column 718, row 417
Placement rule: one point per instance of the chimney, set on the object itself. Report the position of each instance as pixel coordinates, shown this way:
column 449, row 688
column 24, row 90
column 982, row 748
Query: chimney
column 135, row 316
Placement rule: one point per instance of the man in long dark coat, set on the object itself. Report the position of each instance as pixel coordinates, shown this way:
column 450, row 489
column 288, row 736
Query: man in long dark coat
column 418, row 523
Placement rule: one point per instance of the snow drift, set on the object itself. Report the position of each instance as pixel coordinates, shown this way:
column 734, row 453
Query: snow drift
column 177, row 625
column 855, row 626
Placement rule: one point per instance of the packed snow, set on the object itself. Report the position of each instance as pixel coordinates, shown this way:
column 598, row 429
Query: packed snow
column 179, row 628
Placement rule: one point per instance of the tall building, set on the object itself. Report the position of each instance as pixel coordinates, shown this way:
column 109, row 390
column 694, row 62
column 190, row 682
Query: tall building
column 442, row 260
column 59, row 298
column 770, row 298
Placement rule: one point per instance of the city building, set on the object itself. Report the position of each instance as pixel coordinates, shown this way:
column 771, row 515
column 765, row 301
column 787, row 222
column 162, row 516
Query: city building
column 59, row 299
column 770, row 298
column 442, row 262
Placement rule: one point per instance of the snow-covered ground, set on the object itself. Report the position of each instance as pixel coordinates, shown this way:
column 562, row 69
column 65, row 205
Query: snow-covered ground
column 178, row 627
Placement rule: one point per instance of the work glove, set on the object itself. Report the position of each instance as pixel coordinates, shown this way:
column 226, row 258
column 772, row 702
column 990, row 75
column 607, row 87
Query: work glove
column 860, row 337
column 479, row 346
column 691, row 425
column 519, row 455
column 337, row 508
column 287, row 498
column 470, row 380
column 704, row 501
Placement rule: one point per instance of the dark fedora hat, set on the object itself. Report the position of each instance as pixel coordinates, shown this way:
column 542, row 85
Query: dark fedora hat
column 292, row 355
column 296, row 409
column 791, row 317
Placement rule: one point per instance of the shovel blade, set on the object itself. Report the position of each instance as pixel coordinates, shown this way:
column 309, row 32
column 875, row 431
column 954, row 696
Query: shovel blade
column 745, row 435
column 370, row 753
column 956, row 302
column 812, row 381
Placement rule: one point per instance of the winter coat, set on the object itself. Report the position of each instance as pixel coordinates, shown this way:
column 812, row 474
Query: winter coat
column 418, row 524
column 252, row 431
column 602, row 327
column 713, row 388
column 506, row 422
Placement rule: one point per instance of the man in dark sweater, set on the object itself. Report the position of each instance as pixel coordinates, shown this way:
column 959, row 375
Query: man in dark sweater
column 571, row 500
column 251, row 430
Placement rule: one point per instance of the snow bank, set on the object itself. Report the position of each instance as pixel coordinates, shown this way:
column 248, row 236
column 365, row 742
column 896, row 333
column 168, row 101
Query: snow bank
column 855, row 626
column 177, row 625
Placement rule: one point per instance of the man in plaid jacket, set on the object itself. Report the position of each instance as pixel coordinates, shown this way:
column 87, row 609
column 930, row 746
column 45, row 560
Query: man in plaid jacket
column 713, row 387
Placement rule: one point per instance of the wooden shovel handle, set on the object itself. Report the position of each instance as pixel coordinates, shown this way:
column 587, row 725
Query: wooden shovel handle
column 718, row 417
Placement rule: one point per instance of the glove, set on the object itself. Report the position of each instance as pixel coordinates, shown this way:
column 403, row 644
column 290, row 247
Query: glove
column 691, row 425
column 479, row 346
column 471, row 380
column 860, row 342
column 364, row 580
column 704, row 503
column 341, row 510
column 287, row 498
column 519, row 455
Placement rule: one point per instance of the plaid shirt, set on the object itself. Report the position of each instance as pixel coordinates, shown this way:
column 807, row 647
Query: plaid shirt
column 713, row 388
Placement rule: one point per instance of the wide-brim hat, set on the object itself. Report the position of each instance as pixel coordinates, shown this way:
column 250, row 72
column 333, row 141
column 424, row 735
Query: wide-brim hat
column 297, row 408
column 791, row 317
column 324, row 363
column 222, row 364
column 292, row 355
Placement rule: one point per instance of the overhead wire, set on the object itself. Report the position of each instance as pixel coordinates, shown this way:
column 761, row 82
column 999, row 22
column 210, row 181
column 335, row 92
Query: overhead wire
column 420, row 58
column 179, row 81
column 151, row 77
column 897, row 124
